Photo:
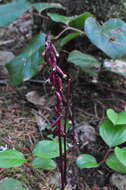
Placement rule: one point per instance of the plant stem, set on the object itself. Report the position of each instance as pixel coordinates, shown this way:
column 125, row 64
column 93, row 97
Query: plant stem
column 106, row 155
column 66, row 29
column 65, row 124
column 61, row 162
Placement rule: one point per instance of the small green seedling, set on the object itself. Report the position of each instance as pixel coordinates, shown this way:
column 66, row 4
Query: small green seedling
column 113, row 132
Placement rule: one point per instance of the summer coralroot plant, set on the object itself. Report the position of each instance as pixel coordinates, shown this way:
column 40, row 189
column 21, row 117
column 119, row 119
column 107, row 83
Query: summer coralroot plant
column 56, row 76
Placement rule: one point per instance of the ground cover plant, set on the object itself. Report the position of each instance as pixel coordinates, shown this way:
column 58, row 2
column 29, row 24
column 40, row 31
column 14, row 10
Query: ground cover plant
column 110, row 39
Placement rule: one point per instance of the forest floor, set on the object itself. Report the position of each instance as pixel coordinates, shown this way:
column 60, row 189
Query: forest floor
column 21, row 120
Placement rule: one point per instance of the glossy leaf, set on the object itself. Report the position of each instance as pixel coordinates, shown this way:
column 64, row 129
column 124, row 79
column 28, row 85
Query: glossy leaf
column 109, row 37
column 112, row 116
column 42, row 6
column 121, row 155
column 86, row 161
column 46, row 149
column 86, row 62
column 28, row 63
column 11, row 158
column 11, row 184
column 78, row 20
column 59, row 18
column 116, row 118
column 121, row 118
column 73, row 21
column 112, row 135
column 113, row 163
column 63, row 41
column 10, row 11
column 44, row 163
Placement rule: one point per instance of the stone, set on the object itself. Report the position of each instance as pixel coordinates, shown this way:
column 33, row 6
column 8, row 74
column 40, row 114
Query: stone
column 86, row 133
column 118, row 180
column 5, row 56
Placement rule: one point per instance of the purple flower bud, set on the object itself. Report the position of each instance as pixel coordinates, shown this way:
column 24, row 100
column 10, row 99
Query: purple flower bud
column 59, row 98
column 56, row 122
column 61, row 72
column 55, row 51
column 52, row 79
column 59, row 83
column 53, row 60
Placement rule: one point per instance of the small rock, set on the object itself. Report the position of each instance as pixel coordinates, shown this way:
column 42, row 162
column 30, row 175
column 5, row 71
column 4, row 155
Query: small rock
column 118, row 180
column 34, row 98
column 54, row 179
column 5, row 56
column 86, row 133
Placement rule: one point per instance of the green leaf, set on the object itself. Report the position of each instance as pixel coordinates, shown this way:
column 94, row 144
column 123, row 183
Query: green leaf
column 9, row 12
column 46, row 149
column 78, row 20
column 28, row 63
column 86, row 161
column 73, row 21
column 42, row 6
column 109, row 37
column 113, row 163
column 121, row 118
column 44, row 163
column 121, row 155
column 86, row 62
column 59, row 18
column 112, row 116
column 112, row 135
column 11, row 184
column 11, row 158
column 68, row 38
column 116, row 118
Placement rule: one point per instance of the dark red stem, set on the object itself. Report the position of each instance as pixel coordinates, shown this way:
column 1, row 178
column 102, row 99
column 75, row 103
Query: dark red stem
column 65, row 125
column 61, row 162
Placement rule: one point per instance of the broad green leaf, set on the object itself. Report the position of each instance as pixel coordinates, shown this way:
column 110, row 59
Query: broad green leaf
column 86, row 62
column 109, row 37
column 11, row 184
column 116, row 118
column 112, row 116
column 113, row 163
column 42, row 6
column 78, row 20
column 117, row 66
column 11, row 158
column 44, row 163
column 68, row 38
column 121, row 155
column 74, row 21
column 46, row 149
column 111, row 134
column 86, row 161
column 28, row 63
column 59, row 18
column 11, row 11
column 121, row 118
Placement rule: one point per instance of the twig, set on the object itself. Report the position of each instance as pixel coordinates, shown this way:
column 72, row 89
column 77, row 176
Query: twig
column 66, row 29
column 106, row 155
